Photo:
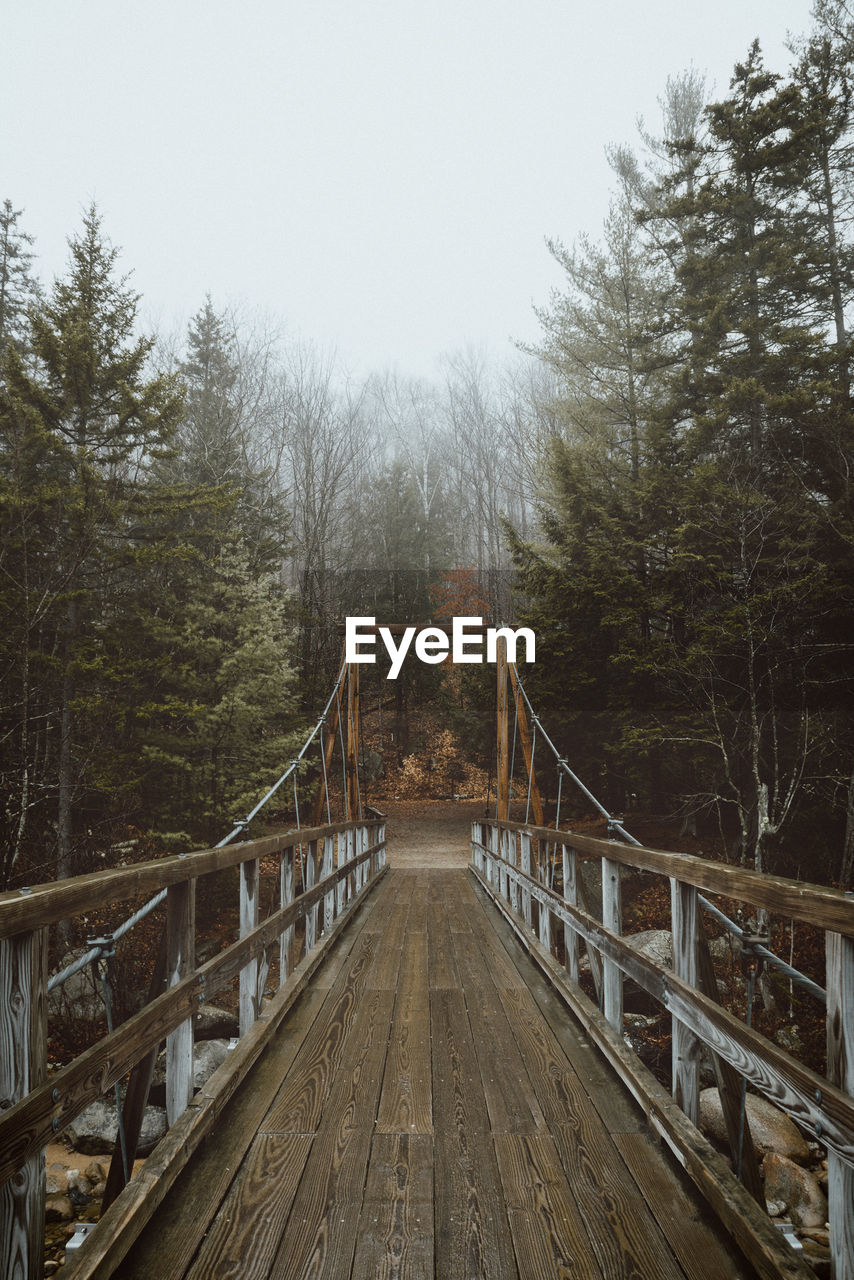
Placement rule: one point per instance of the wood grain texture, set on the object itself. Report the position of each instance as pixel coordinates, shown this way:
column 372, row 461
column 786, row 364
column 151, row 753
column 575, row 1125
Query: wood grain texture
column 245, row 1234
column 814, row 904
column 472, row 1236
column 840, row 1069
column 298, row 1106
column 180, row 961
column 396, row 1226
column 703, row 1253
column 406, row 1100
column 320, row 1240
column 441, row 959
column 549, row 1237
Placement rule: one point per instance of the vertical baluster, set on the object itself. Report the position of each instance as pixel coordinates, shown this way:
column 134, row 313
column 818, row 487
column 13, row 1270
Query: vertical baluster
column 286, row 897
column 525, row 841
column 249, row 875
column 570, row 895
column 309, row 868
column 542, row 876
column 513, row 859
column 840, row 1071
column 329, row 898
column 23, row 1066
column 686, row 1048
column 612, row 918
column 180, row 961
column 340, row 859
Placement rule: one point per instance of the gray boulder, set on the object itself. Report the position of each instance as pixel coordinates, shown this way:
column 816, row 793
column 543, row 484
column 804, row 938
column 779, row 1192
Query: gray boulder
column 211, row 1023
column 96, row 1129
column 655, row 944
column 770, row 1128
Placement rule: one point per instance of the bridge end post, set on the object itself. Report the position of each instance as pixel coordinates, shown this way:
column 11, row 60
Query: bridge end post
column 840, row 1071
column 685, row 922
column 180, row 962
column 23, row 1066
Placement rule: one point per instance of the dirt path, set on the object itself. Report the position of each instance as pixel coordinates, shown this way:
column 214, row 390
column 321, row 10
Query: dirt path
column 430, row 833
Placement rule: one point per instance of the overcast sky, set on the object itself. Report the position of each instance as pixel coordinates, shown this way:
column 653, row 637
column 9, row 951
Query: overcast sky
column 378, row 174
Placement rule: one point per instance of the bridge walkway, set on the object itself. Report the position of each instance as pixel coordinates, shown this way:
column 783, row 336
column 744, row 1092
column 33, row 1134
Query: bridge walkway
column 428, row 1108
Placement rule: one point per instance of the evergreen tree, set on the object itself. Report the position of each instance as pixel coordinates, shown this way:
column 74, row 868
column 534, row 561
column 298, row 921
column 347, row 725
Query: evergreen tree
column 17, row 286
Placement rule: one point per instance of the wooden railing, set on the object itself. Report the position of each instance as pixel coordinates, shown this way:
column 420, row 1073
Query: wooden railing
column 339, row 865
column 514, row 863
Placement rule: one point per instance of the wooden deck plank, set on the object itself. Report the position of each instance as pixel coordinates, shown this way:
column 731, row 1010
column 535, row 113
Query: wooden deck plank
column 703, row 1252
column 510, row 1097
column 320, row 1237
column 391, row 925
column 548, row 1232
column 245, row 1234
column 441, row 961
column 406, row 1100
column 623, row 1232
column 299, row 1103
column 472, row 1236
column 417, row 921
column 396, row 1228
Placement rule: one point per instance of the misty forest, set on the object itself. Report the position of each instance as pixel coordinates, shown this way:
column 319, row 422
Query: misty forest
column 662, row 488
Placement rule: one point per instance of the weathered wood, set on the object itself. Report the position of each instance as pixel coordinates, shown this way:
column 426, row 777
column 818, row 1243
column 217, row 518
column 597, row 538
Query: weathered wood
column 527, row 747
column 28, row 1125
column 570, row 895
column 502, row 768
column 45, row 904
column 135, row 1207
column 23, row 1064
column 685, row 1046
column 840, row 1070
column 525, row 864
column 814, row 904
column 249, row 1003
column 180, row 962
column 309, row 873
column 326, row 870
column 612, row 919
column 749, row 1226
column 396, row 1228
column 136, row 1096
column 286, row 897
column 729, row 1087
column 544, row 916
column 802, row 1093
column 406, row 1100
column 472, row 1237
column 324, row 1223
column 549, row 1236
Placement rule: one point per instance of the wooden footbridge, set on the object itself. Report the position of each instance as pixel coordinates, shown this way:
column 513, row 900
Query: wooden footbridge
column 428, row 1092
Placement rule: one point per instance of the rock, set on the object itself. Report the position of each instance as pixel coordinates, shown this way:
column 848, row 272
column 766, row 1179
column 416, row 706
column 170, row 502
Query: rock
column 56, row 1180
column 207, row 1056
column 95, row 1130
column 58, row 1209
column 207, row 950
column 770, row 1128
column 820, row 1235
column 817, row 1257
column 655, row 944
column 211, row 1023
column 785, row 1180
column 51, row 1268
column 94, row 1172
column 77, row 1182
column 775, row 1208
column 98, row 1189
column 788, row 1038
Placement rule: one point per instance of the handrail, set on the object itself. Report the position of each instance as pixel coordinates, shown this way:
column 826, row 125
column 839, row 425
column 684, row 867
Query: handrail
column 819, row 905
column 511, row 860
column 45, row 904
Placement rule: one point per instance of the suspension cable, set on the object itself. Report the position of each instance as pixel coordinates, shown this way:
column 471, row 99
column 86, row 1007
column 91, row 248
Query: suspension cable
column 615, row 827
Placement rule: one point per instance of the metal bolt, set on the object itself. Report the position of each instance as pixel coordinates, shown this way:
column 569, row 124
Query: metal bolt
column 54, row 1097
column 54, row 1124
column 818, row 1096
column 819, row 1128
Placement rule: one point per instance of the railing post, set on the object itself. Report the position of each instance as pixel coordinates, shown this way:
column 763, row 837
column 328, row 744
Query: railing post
column 545, row 916
column 23, row 1066
column 525, row 842
column 570, row 895
column 612, row 918
column 685, row 922
column 309, row 868
column 492, row 838
column 286, row 897
column 840, row 1071
column 329, row 898
column 512, row 853
column 503, row 841
column 249, row 875
column 340, row 860
column 180, row 961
